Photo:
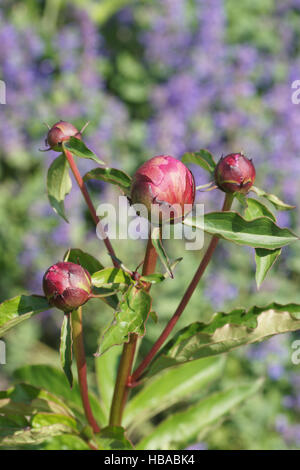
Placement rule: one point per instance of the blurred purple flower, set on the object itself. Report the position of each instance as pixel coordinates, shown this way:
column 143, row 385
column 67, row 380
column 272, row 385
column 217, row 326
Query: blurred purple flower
column 198, row 446
column 275, row 371
column 219, row 289
column 60, row 235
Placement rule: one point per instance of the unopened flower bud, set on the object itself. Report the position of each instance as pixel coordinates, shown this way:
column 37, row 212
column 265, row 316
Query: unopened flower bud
column 60, row 132
column 67, row 286
column 235, row 173
column 165, row 186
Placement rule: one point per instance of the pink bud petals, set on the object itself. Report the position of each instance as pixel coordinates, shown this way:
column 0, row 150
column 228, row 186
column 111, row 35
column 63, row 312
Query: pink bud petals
column 67, row 286
column 235, row 173
column 60, row 132
column 165, row 185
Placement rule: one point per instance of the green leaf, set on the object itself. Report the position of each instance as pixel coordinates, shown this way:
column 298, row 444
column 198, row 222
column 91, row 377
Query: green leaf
column 157, row 243
column 27, row 400
column 106, row 372
column 264, row 260
column 280, row 205
column 173, row 266
column 109, row 297
column 157, row 395
column 53, row 380
column 156, row 278
column 256, row 209
column 77, row 147
column 202, row 158
column 110, row 175
column 153, row 278
column 66, row 348
column 227, row 331
column 182, row 428
column 65, row 442
column 59, row 184
column 20, row 308
column 12, row 423
column 258, row 233
column 113, row 438
column 111, row 278
column 13, row 426
column 33, row 436
column 154, row 316
column 242, row 198
column 39, row 420
column 87, row 261
column 130, row 318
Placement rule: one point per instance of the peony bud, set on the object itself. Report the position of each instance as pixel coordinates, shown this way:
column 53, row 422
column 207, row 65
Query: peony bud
column 235, row 173
column 60, row 132
column 164, row 185
column 67, row 286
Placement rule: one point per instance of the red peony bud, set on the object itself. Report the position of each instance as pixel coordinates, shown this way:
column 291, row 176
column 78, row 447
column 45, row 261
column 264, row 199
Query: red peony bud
column 235, row 173
column 67, row 286
column 161, row 184
column 60, row 132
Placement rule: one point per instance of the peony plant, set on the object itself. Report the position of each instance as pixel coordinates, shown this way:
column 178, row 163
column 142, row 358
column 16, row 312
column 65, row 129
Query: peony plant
column 177, row 365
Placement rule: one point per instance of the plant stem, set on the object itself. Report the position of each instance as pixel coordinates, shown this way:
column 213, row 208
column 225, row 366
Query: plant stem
column 90, row 205
column 127, row 358
column 76, row 319
column 150, row 260
column 124, row 371
column 188, row 294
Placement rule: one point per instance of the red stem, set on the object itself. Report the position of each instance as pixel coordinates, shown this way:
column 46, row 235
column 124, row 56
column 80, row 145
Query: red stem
column 76, row 318
column 150, row 260
column 188, row 294
column 90, row 205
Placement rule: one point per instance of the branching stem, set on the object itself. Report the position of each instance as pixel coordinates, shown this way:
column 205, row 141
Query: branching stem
column 188, row 294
